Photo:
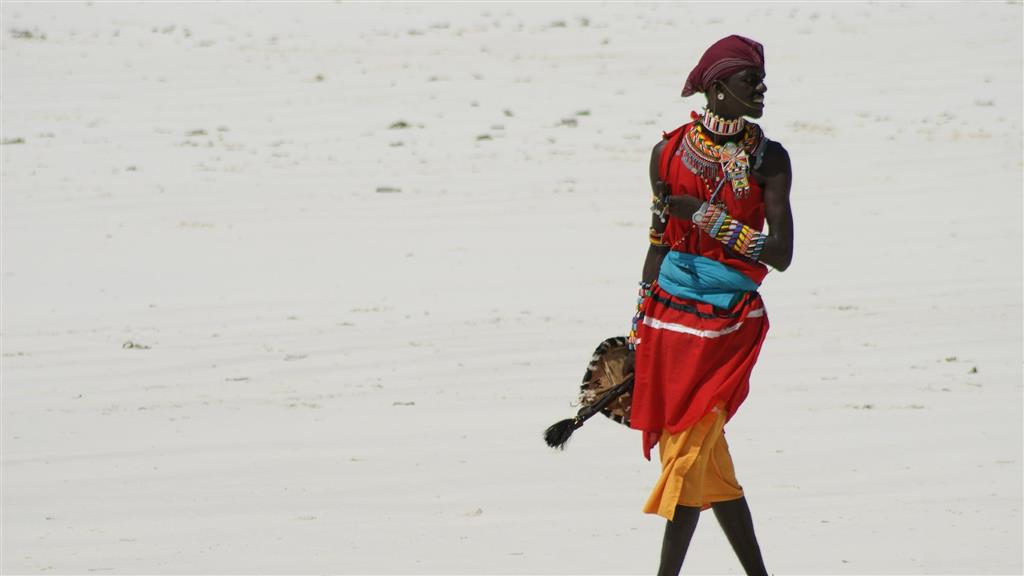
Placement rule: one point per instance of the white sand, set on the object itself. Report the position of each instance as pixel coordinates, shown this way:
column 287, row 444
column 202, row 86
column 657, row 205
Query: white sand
column 344, row 379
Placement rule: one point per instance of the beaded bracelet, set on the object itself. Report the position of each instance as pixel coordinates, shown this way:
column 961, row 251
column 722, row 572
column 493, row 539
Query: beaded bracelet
column 659, row 207
column 737, row 236
column 656, row 238
column 638, row 317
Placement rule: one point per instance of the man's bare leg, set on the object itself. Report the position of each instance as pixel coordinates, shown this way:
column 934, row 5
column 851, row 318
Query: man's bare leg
column 678, row 533
column 734, row 516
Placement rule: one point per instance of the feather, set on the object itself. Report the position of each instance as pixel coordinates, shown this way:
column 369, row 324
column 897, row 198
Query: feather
column 559, row 433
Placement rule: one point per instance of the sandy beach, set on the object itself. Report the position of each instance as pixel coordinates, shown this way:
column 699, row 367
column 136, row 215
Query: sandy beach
column 296, row 287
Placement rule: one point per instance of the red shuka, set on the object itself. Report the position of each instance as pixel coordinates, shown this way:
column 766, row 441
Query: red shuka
column 691, row 355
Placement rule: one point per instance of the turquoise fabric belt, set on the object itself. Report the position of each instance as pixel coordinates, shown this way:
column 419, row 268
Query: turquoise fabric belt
column 690, row 276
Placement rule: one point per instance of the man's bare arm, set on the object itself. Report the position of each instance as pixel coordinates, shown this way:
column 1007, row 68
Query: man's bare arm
column 778, row 177
column 655, row 254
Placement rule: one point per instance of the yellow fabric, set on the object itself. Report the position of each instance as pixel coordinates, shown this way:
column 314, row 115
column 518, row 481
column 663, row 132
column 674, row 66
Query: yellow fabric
column 696, row 468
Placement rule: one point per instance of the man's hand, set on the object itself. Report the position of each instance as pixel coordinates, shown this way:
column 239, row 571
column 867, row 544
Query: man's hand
column 661, row 191
column 683, row 207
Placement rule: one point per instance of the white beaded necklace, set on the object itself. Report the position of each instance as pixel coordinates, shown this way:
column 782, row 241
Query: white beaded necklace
column 720, row 126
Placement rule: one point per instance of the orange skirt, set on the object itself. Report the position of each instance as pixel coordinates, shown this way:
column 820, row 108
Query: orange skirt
column 696, row 468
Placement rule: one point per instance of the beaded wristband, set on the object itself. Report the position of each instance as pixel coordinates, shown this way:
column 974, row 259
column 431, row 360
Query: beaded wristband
column 737, row 236
column 659, row 207
column 656, row 238
column 638, row 317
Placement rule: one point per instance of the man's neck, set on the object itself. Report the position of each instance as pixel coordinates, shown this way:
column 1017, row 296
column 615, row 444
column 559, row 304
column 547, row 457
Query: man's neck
column 721, row 128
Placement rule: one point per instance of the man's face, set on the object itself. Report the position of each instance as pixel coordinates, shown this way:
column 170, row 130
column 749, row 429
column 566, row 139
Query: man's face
column 744, row 94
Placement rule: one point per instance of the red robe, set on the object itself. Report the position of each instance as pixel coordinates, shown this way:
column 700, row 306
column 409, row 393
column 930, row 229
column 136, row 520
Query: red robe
column 690, row 355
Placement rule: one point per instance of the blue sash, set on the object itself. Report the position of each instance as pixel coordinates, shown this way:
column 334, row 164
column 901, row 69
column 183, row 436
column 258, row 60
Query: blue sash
column 690, row 276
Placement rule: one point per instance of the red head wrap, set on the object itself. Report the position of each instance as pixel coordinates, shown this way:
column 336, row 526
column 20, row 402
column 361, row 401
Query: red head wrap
column 723, row 59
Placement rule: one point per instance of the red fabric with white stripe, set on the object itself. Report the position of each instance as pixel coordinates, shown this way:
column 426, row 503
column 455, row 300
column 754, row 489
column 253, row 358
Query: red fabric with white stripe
column 689, row 357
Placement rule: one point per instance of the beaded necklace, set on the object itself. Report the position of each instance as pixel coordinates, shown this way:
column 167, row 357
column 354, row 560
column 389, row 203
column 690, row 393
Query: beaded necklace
column 718, row 125
column 703, row 157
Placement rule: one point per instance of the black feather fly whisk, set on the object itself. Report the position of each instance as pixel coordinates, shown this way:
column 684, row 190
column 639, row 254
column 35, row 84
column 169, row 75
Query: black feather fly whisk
column 558, row 434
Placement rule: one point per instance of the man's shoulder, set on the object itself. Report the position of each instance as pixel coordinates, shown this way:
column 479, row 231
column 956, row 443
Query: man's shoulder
column 670, row 135
column 776, row 158
column 775, row 150
column 775, row 147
